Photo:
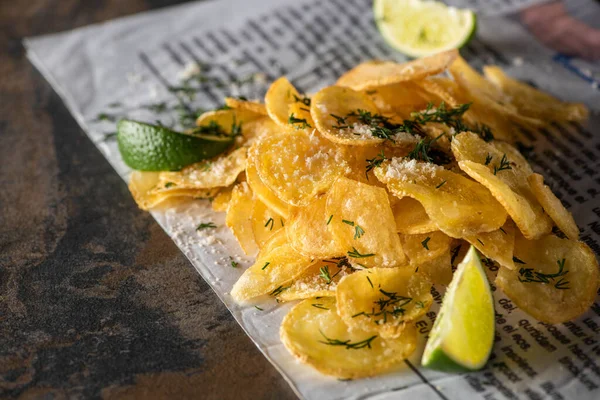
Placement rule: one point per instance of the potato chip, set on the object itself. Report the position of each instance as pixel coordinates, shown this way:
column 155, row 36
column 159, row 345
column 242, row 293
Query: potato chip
column 229, row 120
column 553, row 207
column 501, row 168
column 219, row 172
column 261, row 191
column 246, row 105
column 457, row 205
column 276, row 265
column 441, row 89
column 429, row 254
column 383, row 300
column 298, row 166
column 438, row 270
column 221, row 200
column 308, row 231
column 497, row 245
column 556, row 280
column 425, row 247
column 238, row 217
column 532, row 102
column 265, row 222
column 349, row 117
column 335, row 110
column 257, row 128
column 364, row 159
column 280, row 96
column 411, row 217
column 149, row 193
column 487, row 95
column 317, row 336
column 320, row 280
column 362, row 223
column 400, row 98
column 373, row 74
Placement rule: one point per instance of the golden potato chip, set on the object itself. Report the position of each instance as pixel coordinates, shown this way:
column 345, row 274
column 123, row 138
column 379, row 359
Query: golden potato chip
column 383, row 300
column 457, row 205
column 553, row 206
column 238, row 217
column 350, row 117
column 362, row 223
column 556, row 280
column 424, row 247
column 364, row 159
column 298, row 166
column 256, row 129
column 399, row 98
column 265, row 222
column 497, row 245
column 437, row 270
column 411, row 217
column 278, row 99
column 501, row 168
column 317, row 336
column 532, row 102
column 486, row 93
column 221, row 200
column 246, row 105
column 261, row 191
column 373, row 74
column 429, row 254
column 229, row 121
column 308, row 231
column 441, row 89
column 320, row 280
column 330, row 108
column 148, row 192
column 277, row 265
column 219, row 172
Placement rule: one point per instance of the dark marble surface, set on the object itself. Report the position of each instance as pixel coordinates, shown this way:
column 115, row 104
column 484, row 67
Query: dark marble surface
column 95, row 299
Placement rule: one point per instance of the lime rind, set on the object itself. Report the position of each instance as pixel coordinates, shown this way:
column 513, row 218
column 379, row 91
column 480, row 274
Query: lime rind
column 147, row 147
column 421, row 28
column 439, row 354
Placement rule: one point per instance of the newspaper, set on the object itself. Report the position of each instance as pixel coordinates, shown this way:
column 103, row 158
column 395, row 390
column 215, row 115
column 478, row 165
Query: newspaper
column 140, row 67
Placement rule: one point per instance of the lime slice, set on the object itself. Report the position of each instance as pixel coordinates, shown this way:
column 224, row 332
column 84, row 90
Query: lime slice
column 421, row 28
column 463, row 333
column 146, row 147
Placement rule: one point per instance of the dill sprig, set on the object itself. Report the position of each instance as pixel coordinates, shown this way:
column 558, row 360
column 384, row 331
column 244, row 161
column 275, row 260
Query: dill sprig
column 319, row 305
column 488, row 159
column 504, row 165
column 293, row 121
column 425, row 242
column 421, row 150
column 278, row 291
column 375, row 162
column 270, row 221
column 449, row 116
column 205, row 225
column 356, row 254
column 528, row 275
column 346, row 343
column 304, row 100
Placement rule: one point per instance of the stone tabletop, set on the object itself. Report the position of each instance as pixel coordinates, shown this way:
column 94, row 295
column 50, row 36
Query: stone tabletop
column 95, row 299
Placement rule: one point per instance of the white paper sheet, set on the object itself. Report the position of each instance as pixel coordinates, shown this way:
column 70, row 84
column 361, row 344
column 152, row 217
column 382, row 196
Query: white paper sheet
column 136, row 62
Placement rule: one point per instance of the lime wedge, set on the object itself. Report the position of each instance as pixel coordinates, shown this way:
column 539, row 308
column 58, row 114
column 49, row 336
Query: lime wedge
column 421, row 28
column 146, row 147
column 463, row 333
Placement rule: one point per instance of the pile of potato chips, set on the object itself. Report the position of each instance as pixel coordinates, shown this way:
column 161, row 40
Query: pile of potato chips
column 358, row 198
